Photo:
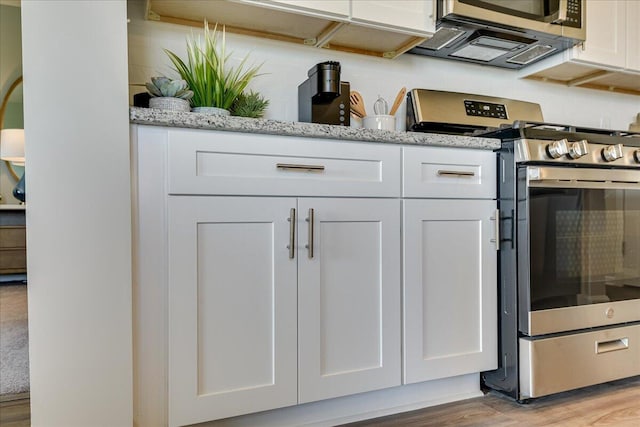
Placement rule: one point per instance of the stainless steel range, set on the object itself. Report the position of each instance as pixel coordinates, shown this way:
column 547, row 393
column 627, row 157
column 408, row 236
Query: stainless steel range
column 569, row 265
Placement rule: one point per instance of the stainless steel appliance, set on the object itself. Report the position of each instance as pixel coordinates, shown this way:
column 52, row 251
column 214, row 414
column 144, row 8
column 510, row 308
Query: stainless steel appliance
column 569, row 264
column 509, row 34
column 323, row 98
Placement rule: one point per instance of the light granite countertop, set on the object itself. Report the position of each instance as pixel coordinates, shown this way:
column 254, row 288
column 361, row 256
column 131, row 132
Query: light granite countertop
column 155, row 117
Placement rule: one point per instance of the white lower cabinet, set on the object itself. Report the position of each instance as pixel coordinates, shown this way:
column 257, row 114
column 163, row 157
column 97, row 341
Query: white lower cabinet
column 267, row 274
column 349, row 297
column 232, row 307
column 450, row 318
column 255, row 324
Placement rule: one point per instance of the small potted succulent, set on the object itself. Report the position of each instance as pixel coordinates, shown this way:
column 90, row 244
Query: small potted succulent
column 167, row 94
column 208, row 72
column 249, row 104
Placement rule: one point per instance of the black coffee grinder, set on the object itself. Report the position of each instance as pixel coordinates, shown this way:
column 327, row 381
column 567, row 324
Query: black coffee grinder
column 323, row 98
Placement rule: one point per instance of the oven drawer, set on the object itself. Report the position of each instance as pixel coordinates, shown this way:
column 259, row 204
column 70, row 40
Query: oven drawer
column 552, row 365
column 448, row 173
column 229, row 163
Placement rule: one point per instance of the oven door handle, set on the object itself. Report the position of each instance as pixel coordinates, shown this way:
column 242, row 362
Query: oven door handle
column 556, row 177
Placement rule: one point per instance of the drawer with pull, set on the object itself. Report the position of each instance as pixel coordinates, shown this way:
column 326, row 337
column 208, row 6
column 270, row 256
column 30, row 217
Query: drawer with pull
column 439, row 172
column 228, row 163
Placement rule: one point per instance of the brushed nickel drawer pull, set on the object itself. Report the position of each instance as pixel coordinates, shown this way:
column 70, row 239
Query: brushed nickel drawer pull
column 292, row 232
column 301, row 168
column 461, row 174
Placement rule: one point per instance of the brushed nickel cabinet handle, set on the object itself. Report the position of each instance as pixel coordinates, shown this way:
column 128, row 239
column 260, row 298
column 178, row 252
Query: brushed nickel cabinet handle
column 496, row 239
column 292, row 232
column 310, row 220
column 301, row 168
column 462, row 174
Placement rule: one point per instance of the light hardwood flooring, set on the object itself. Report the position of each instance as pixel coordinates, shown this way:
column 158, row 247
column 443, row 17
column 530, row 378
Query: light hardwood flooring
column 615, row 404
column 15, row 413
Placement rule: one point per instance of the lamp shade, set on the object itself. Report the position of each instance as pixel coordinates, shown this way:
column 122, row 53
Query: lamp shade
column 12, row 145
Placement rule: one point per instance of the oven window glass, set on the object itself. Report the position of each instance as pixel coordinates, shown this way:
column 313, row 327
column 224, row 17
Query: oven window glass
column 584, row 246
column 530, row 9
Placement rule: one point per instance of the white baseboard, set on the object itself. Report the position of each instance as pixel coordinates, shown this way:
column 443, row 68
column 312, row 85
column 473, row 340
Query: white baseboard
column 362, row 406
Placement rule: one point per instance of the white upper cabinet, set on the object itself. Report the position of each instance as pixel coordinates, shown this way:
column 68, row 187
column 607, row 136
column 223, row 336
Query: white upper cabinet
column 609, row 59
column 633, row 35
column 333, row 7
column 370, row 27
column 606, row 34
column 417, row 15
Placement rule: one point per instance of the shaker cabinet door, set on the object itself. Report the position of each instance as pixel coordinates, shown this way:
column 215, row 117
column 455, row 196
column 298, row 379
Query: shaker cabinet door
column 414, row 15
column 450, row 287
column 607, row 39
column 349, row 296
column 232, row 307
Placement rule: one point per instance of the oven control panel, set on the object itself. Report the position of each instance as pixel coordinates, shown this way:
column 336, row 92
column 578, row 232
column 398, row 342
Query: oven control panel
column 485, row 109
column 580, row 152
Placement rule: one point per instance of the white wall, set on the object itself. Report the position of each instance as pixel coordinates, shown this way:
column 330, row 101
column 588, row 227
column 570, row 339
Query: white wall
column 79, row 212
column 286, row 66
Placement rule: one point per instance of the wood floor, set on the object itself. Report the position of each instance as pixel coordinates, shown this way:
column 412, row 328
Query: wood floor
column 615, row 404
column 15, row 413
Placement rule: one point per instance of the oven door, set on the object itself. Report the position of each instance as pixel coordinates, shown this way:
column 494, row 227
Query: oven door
column 559, row 17
column 578, row 246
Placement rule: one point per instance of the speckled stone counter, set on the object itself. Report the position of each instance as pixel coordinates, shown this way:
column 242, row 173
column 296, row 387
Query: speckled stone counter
column 154, row 117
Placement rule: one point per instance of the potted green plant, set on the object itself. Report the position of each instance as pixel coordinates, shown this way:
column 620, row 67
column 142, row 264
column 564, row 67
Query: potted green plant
column 168, row 94
column 249, row 104
column 215, row 83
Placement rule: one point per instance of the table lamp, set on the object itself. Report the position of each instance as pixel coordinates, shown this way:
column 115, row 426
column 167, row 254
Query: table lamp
column 12, row 150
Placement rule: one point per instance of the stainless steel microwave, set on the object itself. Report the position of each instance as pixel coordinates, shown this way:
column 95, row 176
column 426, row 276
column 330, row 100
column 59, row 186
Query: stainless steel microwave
column 505, row 33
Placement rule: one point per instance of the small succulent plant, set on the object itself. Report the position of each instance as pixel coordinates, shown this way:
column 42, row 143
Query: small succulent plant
column 250, row 104
column 165, row 87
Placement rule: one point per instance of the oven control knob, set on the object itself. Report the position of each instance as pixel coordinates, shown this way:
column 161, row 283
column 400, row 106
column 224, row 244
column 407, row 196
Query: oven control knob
column 578, row 149
column 612, row 152
column 557, row 149
column 636, row 155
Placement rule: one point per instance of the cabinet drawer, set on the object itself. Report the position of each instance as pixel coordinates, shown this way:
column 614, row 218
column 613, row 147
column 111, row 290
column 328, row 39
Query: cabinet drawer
column 228, row 163
column 598, row 356
column 13, row 237
column 448, row 173
column 13, row 261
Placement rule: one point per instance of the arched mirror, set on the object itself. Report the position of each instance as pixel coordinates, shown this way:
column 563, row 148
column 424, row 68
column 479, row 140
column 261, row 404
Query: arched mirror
column 12, row 117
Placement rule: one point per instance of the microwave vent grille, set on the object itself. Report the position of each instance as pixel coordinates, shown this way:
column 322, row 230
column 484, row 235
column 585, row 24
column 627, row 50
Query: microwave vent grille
column 441, row 38
column 532, row 54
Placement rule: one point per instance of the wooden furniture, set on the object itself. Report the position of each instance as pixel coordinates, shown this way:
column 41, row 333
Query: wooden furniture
column 13, row 239
column 268, row 275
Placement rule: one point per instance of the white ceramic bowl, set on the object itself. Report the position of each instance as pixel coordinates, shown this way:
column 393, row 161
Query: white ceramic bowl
column 380, row 122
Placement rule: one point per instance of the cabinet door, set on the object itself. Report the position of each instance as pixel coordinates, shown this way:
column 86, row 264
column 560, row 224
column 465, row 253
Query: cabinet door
column 633, row 35
column 232, row 307
column 450, row 287
column 606, row 33
column 415, row 15
column 349, row 297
